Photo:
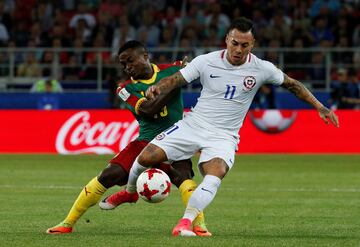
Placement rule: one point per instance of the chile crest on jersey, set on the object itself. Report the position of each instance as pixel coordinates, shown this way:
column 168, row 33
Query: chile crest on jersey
column 233, row 83
column 249, row 83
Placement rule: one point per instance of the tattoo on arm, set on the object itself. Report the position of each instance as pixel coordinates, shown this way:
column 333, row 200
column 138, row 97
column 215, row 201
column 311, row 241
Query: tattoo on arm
column 168, row 87
column 169, row 83
column 303, row 93
column 152, row 106
column 300, row 91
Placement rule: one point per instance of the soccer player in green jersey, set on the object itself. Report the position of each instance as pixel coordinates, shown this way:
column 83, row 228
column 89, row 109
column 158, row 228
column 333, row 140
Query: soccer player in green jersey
column 154, row 116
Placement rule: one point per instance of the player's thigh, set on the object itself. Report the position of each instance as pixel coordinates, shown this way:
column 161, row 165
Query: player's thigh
column 218, row 148
column 126, row 157
column 179, row 142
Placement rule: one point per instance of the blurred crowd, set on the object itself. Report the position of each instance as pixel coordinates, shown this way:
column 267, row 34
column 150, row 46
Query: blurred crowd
column 158, row 23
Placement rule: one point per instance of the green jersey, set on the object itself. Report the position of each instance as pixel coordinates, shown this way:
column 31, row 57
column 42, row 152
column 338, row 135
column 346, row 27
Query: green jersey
column 133, row 94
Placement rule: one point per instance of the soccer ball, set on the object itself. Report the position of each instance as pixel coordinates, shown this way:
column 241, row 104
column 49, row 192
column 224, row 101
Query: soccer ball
column 272, row 121
column 153, row 185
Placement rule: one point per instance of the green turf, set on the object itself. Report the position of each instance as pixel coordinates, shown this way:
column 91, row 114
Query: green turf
column 266, row 200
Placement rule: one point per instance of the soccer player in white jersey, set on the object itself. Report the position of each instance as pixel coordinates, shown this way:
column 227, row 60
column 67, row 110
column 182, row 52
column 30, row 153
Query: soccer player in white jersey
column 230, row 80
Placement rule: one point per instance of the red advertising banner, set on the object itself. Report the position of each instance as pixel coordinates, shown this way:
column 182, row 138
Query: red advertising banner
column 108, row 131
column 66, row 132
column 300, row 131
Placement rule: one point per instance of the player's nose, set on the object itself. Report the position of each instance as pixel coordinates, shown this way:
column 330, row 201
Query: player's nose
column 128, row 69
column 239, row 50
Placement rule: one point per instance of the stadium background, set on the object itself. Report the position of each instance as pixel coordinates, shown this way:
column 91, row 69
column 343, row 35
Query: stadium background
column 74, row 44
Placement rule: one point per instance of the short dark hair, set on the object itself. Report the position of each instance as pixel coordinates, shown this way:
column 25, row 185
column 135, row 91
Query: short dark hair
column 242, row 24
column 131, row 44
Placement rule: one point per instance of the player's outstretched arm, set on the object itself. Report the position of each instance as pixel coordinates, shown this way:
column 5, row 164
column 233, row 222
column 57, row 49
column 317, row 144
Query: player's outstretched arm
column 304, row 94
column 165, row 85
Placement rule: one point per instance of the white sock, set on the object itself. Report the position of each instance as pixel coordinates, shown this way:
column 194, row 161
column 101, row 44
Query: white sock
column 134, row 173
column 202, row 196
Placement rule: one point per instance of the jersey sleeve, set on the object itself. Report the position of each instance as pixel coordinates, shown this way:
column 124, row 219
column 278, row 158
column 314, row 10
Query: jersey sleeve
column 193, row 69
column 164, row 66
column 129, row 95
column 273, row 74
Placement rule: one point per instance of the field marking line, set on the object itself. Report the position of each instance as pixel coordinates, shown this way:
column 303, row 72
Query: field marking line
column 66, row 187
column 70, row 187
column 299, row 190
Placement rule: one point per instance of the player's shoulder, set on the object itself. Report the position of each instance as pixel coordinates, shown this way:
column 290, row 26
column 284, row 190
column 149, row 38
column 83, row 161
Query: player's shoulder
column 213, row 58
column 164, row 66
column 123, row 87
column 122, row 84
column 169, row 69
column 214, row 55
column 260, row 63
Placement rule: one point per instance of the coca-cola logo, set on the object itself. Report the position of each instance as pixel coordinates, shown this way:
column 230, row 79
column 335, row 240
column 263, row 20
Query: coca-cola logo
column 81, row 135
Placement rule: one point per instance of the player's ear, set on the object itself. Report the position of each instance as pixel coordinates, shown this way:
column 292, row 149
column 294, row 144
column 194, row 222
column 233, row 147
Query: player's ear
column 146, row 55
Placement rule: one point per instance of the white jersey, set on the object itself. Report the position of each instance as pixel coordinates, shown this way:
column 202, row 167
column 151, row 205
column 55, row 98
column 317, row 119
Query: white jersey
column 228, row 90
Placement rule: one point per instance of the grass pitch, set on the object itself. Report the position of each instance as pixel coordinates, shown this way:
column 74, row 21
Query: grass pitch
column 265, row 200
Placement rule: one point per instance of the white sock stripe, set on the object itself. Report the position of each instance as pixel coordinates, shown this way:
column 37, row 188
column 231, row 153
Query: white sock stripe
column 202, row 196
column 134, row 173
column 212, row 180
column 191, row 213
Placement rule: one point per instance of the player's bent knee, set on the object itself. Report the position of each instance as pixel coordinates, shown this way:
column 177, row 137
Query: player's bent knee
column 220, row 173
column 216, row 167
column 143, row 159
column 151, row 155
column 113, row 175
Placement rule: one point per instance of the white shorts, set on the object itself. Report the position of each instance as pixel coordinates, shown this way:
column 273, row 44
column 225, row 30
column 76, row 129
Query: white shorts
column 183, row 140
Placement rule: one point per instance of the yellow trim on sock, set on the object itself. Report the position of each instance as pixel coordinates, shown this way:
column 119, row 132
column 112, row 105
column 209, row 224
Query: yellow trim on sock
column 89, row 196
column 186, row 189
column 200, row 220
column 98, row 185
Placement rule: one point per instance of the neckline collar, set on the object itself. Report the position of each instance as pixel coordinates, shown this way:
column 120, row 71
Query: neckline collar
column 152, row 79
column 228, row 64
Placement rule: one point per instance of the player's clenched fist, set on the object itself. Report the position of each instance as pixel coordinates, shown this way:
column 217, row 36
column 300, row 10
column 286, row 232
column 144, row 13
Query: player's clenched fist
column 152, row 92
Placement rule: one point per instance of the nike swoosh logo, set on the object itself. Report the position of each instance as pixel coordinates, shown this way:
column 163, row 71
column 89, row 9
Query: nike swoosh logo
column 52, row 231
column 214, row 76
column 206, row 190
